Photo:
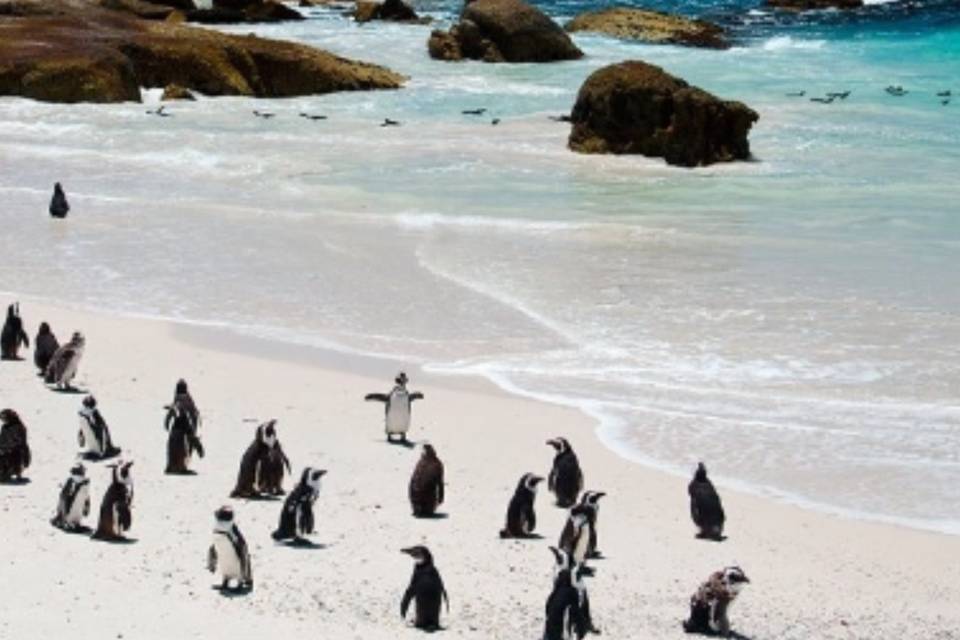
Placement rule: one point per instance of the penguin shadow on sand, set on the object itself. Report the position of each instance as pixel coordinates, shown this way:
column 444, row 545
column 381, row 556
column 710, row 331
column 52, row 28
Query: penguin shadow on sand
column 69, row 390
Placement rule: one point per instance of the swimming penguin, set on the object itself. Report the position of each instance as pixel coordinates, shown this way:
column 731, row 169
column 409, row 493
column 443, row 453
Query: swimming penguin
column 74, row 503
column 182, row 424
column 296, row 518
column 426, row 587
column 590, row 507
column 705, row 506
column 115, row 516
column 13, row 334
column 387, row 122
column 94, row 434
column 575, row 538
column 521, row 519
column 565, row 479
column 261, row 468
column 397, row 412
column 62, row 368
column 426, row 484
column 44, row 346
column 710, row 604
column 474, row 112
column 15, row 453
column 568, row 607
column 58, row 203
column 229, row 552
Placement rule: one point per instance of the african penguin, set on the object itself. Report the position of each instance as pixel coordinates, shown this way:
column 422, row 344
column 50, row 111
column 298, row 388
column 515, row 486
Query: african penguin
column 710, row 604
column 58, row 203
column 261, row 468
column 62, row 367
column 590, row 502
column 44, row 346
column 521, row 519
column 567, row 609
column 74, row 503
column 229, row 552
column 397, row 411
column 705, row 506
column 426, row 484
column 15, row 453
column 182, row 423
column 94, row 434
column 13, row 335
column 115, row 516
column 575, row 538
column 296, row 518
column 565, row 479
column 426, row 587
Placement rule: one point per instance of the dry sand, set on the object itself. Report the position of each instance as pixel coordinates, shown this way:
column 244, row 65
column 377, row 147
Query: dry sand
column 813, row 575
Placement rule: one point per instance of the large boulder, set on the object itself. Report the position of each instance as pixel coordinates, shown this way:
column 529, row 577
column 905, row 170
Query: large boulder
column 635, row 107
column 651, row 27
column 503, row 31
column 813, row 5
column 95, row 55
column 140, row 8
column 229, row 11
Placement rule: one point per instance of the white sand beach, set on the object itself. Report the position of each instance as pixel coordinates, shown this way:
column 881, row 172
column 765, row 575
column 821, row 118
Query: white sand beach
column 812, row 575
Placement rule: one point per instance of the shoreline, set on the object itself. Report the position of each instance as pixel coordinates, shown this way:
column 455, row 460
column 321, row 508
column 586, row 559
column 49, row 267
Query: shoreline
column 804, row 566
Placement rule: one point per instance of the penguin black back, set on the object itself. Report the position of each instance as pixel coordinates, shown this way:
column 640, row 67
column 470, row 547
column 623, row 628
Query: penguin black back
column 13, row 334
column 565, row 479
column 59, row 207
column 706, row 510
column 426, row 484
column 521, row 517
column 44, row 346
column 565, row 616
column 15, row 455
column 426, row 587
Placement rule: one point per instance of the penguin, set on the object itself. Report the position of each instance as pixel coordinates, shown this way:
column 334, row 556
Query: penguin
column 387, row 122
column 710, row 604
column 706, row 510
column 474, row 112
column 590, row 507
column 426, row 587
column 62, row 368
column 59, row 207
column 312, row 116
column 266, row 115
column 182, row 423
column 521, row 518
column 229, row 552
column 15, row 456
column 74, row 503
column 397, row 412
column 94, row 434
column 115, row 517
column 565, row 479
column 261, row 468
column 567, row 608
column 296, row 518
column 575, row 538
column 426, row 484
column 44, row 346
column 13, row 334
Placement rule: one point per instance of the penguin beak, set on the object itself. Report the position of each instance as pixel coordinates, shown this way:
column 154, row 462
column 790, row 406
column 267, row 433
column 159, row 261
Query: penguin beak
column 407, row 550
column 554, row 444
column 536, row 480
column 600, row 494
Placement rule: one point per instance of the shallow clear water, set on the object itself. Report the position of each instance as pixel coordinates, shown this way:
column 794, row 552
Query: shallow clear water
column 793, row 321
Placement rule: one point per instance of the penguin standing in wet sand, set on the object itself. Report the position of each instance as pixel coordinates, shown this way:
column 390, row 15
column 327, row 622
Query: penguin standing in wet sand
column 568, row 606
column 94, row 434
column 115, row 515
column 59, row 207
column 521, row 518
column 261, row 468
column 62, row 368
column 296, row 518
column 565, row 479
column 13, row 334
column 590, row 507
column 182, row 423
column 397, row 411
column 426, row 484
column 705, row 506
column 710, row 604
column 426, row 587
column 15, row 456
column 44, row 346
column 74, row 503
column 229, row 552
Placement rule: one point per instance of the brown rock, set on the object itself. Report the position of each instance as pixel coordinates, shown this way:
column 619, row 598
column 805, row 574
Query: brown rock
column 176, row 92
column 231, row 11
column 139, row 8
column 651, row 27
column 443, row 45
column 392, row 10
column 813, row 5
column 635, row 107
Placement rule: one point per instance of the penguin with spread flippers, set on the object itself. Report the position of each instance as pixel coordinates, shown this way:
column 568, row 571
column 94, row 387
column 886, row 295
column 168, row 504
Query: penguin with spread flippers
column 426, row 588
column 521, row 518
column 710, row 605
column 94, row 434
column 296, row 518
column 62, row 368
column 426, row 484
column 15, row 455
column 565, row 479
column 397, row 408
column 229, row 553
column 44, row 346
column 73, row 504
column 13, row 336
column 116, row 516
column 706, row 510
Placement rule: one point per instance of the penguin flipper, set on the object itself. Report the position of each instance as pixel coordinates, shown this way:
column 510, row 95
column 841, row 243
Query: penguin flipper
column 405, row 602
column 531, row 519
column 378, row 397
column 416, row 395
column 212, row 559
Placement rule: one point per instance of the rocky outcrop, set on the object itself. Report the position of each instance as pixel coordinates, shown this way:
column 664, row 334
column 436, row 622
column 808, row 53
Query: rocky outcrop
column 95, row 55
column 813, row 5
column 635, row 107
column 230, row 11
column 650, row 27
column 140, row 8
column 390, row 10
column 176, row 92
column 503, row 31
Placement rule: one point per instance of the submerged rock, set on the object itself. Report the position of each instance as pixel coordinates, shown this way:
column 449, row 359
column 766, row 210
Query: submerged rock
column 813, row 5
column 503, row 31
column 651, row 27
column 390, row 10
column 635, row 107
column 229, row 11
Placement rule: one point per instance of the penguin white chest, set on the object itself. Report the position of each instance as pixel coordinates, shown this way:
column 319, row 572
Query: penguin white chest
column 88, row 439
column 70, row 369
column 398, row 413
column 75, row 513
column 582, row 543
column 227, row 558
